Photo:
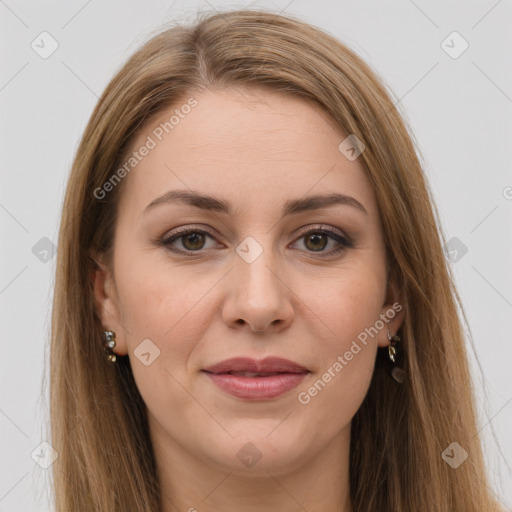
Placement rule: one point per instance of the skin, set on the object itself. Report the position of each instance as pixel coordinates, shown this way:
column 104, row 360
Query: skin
column 257, row 149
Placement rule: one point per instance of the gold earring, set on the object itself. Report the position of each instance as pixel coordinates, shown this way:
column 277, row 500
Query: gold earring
column 397, row 373
column 110, row 343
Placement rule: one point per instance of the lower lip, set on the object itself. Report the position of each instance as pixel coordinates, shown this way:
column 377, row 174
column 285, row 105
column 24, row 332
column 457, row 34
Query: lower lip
column 257, row 388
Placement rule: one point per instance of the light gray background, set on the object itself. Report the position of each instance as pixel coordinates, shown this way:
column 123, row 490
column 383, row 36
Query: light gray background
column 459, row 110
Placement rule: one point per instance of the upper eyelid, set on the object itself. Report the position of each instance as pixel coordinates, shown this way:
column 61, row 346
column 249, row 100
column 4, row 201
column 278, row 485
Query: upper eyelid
column 183, row 230
column 336, row 234
column 322, row 227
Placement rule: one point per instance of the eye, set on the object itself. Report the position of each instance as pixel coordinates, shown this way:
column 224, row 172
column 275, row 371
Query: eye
column 192, row 240
column 316, row 240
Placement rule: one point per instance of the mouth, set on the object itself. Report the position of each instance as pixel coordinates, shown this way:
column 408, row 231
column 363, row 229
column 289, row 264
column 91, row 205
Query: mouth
column 250, row 374
column 256, row 380
column 265, row 367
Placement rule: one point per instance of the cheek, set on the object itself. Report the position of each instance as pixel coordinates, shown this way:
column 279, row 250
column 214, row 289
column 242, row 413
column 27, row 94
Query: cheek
column 165, row 304
column 170, row 308
column 349, row 307
column 348, row 302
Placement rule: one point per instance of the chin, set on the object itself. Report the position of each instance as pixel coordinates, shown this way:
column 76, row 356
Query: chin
column 261, row 453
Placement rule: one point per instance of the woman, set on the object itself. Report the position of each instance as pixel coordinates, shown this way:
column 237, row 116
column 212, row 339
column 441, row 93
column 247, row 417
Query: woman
column 248, row 232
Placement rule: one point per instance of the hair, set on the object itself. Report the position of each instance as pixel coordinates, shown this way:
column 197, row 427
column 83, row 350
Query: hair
column 98, row 418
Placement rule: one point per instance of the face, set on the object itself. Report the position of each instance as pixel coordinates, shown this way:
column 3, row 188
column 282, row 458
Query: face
column 256, row 271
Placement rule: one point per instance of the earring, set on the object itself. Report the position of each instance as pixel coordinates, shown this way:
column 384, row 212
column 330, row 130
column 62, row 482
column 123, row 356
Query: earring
column 110, row 343
column 397, row 373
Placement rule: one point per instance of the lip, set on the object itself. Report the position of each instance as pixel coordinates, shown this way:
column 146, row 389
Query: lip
column 246, row 364
column 284, row 375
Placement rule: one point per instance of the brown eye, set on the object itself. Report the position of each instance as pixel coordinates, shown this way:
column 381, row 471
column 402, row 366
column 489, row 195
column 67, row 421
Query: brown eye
column 193, row 241
column 316, row 241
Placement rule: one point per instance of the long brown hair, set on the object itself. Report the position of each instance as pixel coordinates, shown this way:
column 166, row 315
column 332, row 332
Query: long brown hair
column 98, row 418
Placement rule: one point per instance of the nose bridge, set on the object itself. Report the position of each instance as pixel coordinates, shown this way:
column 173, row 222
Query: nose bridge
column 258, row 295
column 256, row 266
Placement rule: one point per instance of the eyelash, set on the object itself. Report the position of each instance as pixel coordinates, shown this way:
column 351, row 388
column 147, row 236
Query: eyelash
column 343, row 241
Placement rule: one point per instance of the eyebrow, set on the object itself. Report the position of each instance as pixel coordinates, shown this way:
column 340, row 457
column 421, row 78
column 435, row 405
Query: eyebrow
column 291, row 207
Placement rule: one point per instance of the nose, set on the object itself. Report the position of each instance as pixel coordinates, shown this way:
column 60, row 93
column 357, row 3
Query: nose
column 258, row 296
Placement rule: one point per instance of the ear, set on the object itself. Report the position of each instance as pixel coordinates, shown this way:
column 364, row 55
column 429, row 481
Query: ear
column 107, row 304
column 392, row 313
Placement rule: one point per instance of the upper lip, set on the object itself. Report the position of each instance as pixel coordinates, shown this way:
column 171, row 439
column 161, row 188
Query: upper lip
column 246, row 364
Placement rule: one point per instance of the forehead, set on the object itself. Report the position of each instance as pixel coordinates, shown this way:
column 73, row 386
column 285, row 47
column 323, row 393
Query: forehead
column 250, row 145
